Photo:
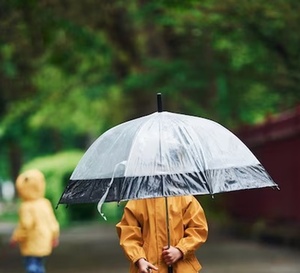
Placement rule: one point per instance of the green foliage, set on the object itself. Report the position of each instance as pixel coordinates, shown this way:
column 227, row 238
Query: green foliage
column 8, row 66
column 112, row 211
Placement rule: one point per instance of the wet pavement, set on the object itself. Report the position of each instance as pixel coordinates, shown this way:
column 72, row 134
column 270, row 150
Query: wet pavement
column 94, row 248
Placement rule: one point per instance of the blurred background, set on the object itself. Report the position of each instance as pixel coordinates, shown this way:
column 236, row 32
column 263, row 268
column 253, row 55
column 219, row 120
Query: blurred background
column 70, row 70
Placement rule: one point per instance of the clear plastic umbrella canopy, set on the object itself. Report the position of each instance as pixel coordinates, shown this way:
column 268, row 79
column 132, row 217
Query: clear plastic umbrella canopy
column 164, row 154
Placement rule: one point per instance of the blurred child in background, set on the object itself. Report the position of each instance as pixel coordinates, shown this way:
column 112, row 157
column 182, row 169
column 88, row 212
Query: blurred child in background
column 38, row 230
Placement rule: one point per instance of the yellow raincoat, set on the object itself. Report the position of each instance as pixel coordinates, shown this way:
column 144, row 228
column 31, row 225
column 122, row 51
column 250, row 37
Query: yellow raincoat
column 37, row 227
column 143, row 232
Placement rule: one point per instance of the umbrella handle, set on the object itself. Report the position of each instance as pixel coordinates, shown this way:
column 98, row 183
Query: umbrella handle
column 170, row 269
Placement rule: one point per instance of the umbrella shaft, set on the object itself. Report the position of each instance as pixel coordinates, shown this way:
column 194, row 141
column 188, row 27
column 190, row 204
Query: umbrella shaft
column 167, row 221
column 170, row 268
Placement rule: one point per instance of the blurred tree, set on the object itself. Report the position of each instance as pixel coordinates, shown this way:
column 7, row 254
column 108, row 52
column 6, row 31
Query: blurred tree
column 18, row 46
column 70, row 70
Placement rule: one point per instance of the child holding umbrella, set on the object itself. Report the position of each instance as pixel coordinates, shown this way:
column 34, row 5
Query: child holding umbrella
column 143, row 234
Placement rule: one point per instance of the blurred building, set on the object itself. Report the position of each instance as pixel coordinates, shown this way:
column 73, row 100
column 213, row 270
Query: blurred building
column 268, row 212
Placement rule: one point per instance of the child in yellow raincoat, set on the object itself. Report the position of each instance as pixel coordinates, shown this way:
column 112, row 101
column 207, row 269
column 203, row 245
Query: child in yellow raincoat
column 38, row 230
column 144, row 237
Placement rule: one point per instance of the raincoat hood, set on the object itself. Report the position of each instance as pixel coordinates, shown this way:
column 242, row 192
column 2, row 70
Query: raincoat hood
column 31, row 185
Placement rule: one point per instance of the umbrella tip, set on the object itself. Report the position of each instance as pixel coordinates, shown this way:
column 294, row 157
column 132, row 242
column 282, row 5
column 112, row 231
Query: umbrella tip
column 159, row 102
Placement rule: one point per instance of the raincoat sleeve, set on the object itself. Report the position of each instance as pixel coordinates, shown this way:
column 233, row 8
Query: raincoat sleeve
column 195, row 228
column 130, row 234
column 52, row 222
column 25, row 224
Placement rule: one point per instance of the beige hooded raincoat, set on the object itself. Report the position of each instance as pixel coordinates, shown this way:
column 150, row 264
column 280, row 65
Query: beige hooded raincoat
column 143, row 232
column 37, row 228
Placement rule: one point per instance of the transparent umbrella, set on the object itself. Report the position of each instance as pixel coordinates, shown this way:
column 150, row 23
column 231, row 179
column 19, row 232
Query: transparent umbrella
column 164, row 154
